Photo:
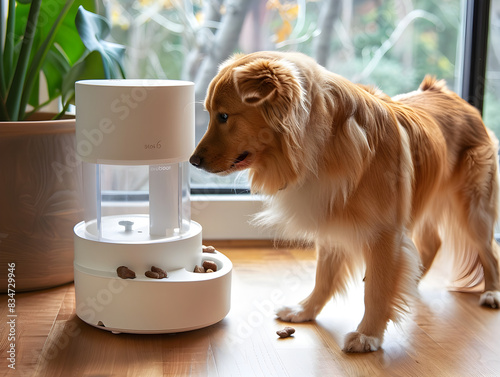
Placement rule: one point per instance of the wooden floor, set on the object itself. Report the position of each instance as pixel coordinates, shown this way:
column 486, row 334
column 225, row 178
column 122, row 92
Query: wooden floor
column 446, row 334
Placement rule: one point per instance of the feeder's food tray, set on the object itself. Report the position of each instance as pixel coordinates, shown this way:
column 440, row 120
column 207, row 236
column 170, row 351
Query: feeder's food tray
column 128, row 229
column 144, row 305
column 177, row 275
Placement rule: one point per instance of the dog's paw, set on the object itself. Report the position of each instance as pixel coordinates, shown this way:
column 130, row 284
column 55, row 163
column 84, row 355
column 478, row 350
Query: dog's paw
column 357, row 342
column 295, row 313
column 490, row 299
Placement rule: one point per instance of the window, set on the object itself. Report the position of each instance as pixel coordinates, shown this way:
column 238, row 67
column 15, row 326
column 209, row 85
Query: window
column 390, row 44
column 491, row 111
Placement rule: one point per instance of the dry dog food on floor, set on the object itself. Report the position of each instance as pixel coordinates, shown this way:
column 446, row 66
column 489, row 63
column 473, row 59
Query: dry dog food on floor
column 125, row 273
column 161, row 273
column 286, row 332
column 208, row 249
column 210, row 265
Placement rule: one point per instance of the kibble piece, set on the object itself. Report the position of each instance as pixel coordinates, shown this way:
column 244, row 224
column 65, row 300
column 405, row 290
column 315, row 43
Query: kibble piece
column 210, row 265
column 209, row 270
column 286, row 332
column 208, row 249
column 152, row 275
column 125, row 273
column 289, row 330
column 162, row 274
column 282, row 334
column 199, row 269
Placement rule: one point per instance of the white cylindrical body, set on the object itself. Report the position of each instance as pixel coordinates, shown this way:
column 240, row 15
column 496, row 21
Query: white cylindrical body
column 134, row 122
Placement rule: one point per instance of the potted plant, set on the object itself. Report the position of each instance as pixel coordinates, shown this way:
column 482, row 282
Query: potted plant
column 45, row 48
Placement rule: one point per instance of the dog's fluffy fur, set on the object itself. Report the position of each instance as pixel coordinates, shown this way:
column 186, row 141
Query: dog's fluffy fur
column 374, row 181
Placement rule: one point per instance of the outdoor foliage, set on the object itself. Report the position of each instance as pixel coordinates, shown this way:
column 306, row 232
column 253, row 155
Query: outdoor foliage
column 391, row 44
column 61, row 40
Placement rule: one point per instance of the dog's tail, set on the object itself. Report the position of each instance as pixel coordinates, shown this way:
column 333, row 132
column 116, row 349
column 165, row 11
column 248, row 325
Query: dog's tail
column 467, row 269
column 430, row 83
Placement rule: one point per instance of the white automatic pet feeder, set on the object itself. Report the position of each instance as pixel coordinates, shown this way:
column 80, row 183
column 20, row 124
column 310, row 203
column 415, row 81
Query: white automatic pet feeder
column 146, row 126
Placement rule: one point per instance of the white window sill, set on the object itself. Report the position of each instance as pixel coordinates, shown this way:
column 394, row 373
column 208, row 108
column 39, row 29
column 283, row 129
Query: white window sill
column 228, row 216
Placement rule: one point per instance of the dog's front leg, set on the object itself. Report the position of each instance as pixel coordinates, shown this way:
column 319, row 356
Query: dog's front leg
column 392, row 272
column 331, row 277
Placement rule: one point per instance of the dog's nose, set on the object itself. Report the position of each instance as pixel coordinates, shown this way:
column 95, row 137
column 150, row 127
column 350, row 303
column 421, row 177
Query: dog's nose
column 195, row 160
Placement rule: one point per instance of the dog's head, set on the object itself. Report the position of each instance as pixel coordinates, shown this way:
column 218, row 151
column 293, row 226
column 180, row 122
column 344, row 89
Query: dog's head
column 257, row 110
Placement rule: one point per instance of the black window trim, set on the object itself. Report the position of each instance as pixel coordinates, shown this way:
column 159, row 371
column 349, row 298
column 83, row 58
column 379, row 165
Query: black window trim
column 476, row 23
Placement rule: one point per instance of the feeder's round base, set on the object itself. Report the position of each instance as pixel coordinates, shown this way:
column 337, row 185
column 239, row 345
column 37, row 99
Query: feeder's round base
column 181, row 302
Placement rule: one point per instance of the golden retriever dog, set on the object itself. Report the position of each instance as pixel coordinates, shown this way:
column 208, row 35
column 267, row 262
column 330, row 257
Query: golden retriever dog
column 375, row 182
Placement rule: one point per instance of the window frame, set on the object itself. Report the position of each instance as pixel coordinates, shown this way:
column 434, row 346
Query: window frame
column 476, row 24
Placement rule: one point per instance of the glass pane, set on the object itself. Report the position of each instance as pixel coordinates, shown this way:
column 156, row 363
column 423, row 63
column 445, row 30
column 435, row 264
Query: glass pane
column 390, row 44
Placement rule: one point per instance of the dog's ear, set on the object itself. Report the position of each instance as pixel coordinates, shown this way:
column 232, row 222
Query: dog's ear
column 275, row 86
column 263, row 80
column 230, row 60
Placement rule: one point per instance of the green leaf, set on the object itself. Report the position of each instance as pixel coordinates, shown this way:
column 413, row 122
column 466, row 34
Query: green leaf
column 55, row 69
column 103, row 60
column 90, row 67
column 93, row 29
column 67, row 36
column 30, row 92
column 7, row 56
column 16, row 90
column 35, row 90
column 54, row 27
column 53, row 45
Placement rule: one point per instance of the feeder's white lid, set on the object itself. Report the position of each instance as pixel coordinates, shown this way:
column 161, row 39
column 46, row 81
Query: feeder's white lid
column 134, row 122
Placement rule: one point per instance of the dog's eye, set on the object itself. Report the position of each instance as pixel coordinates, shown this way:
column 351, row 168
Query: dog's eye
column 222, row 117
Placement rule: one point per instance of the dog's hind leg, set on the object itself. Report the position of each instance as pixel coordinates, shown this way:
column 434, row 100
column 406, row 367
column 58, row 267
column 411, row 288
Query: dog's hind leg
column 491, row 295
column 332, row 274
column 428, row 242
column 392, row 274
column 476, row 206
column 482, row 243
